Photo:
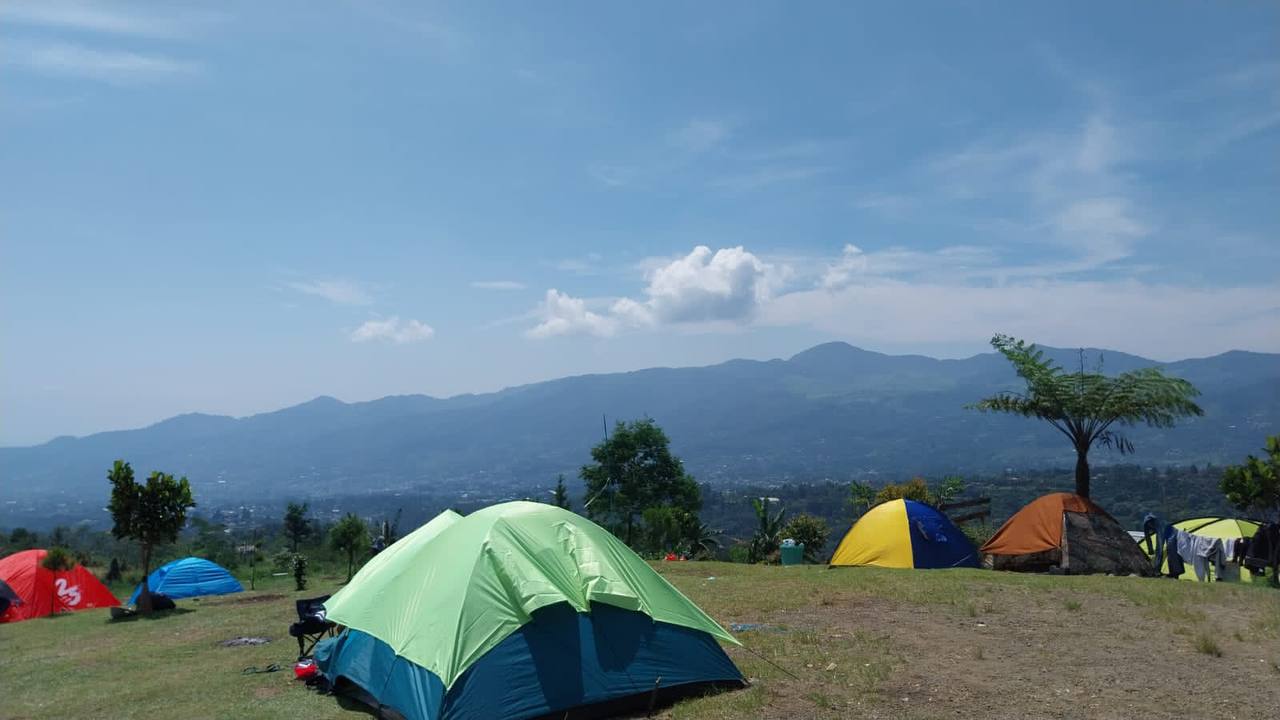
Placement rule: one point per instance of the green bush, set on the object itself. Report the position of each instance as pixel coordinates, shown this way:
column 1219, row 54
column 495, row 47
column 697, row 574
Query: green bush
column 58, row 559
column 810, row 530
column 978, row 534
column 299, row 563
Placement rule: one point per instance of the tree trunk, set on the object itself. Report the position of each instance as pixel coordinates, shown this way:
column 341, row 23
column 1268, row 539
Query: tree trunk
column 144, row 600
column 1082, row 472
column 350, row 558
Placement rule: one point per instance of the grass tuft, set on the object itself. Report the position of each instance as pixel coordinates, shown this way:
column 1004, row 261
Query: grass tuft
column 1207, row 645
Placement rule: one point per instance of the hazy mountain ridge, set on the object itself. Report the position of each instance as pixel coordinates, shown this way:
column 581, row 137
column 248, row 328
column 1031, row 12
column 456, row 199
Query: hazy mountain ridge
column 831, row 411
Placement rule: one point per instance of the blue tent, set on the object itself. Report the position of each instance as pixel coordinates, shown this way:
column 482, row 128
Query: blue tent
column 189, row 577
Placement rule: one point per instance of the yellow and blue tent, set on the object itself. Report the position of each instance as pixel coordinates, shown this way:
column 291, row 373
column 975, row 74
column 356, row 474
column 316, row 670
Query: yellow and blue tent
column 1223, row 528
column 905, row 534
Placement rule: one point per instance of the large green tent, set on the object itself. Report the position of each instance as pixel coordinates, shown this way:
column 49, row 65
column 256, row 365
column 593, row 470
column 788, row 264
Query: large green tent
column 515, row 611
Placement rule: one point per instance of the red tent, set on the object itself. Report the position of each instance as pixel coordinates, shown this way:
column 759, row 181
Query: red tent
column 44, row 592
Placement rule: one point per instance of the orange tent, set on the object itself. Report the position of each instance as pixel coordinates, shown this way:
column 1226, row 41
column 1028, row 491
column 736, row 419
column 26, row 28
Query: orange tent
column 1038, row 525
column 1067, row 532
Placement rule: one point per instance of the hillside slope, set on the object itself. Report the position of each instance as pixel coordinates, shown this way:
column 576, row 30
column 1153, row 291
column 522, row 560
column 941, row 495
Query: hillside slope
column 831, row 411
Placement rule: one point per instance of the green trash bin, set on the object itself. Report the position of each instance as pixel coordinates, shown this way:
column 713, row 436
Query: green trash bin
column 793, row 555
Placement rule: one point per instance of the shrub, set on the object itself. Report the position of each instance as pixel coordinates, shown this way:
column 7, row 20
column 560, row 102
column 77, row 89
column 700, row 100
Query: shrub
column 978, row 534
column 58, row 559
column 299, row 563
column 810, row 530
column 282, row 561
column 1207, row 645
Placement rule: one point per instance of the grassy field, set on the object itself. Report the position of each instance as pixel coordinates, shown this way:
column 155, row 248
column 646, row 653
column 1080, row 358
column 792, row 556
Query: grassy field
column 823, row 644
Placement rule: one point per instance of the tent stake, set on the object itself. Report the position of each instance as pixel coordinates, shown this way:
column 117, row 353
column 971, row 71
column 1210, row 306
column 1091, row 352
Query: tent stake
column 653, row 696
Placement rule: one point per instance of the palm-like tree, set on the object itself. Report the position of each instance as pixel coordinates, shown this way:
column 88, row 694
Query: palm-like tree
column 704, row 542
column 1089, row 407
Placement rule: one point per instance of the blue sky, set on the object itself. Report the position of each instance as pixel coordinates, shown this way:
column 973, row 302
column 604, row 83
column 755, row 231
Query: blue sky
column 231, row 207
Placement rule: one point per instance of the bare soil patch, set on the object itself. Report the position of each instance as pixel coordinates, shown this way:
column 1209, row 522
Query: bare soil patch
column 1014, row 654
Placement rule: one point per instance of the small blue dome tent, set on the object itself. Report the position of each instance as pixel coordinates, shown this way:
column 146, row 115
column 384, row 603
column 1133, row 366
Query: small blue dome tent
column 189, row 577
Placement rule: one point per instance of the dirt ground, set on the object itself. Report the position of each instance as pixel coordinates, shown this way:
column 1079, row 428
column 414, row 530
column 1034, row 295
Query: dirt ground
column 1013, row 654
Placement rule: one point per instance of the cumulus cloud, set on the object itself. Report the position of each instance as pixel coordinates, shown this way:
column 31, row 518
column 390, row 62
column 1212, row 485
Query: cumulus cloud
column 393, row 330
column 338, row 292
column 727, row 285
column 947, row 296
column 561, row 314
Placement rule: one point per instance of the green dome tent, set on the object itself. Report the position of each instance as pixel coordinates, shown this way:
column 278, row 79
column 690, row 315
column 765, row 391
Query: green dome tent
column 516, row 611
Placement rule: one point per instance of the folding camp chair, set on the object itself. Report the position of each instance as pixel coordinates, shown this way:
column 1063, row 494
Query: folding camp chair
column 312, row 626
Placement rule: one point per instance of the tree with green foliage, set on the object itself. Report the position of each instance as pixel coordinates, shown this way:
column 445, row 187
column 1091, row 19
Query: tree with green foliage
column 152, row 514
column 1089, row 407
column 810, row 530
column 1254, row 486
column 633, row 471
column 768, row 534
column 918, row 489
column 23, row 539
column 862, row 497
column 349, row 535
column 561, row 496
column 296, row 525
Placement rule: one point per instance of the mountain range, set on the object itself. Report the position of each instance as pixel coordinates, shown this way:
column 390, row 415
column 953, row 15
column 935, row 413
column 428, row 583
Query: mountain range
column 832, row 411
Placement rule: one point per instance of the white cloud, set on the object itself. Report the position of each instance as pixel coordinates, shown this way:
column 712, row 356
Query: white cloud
column 564, row 315
column 497, row 285
column 1068, row 188
column 699, row 135
column 393, row 330
column 111, row 66
column 727, row 285
column 338, row 292
column 1104, row 228
column 852, row 262
column 1160, row 320
column 947, row 296
column 96, row 17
